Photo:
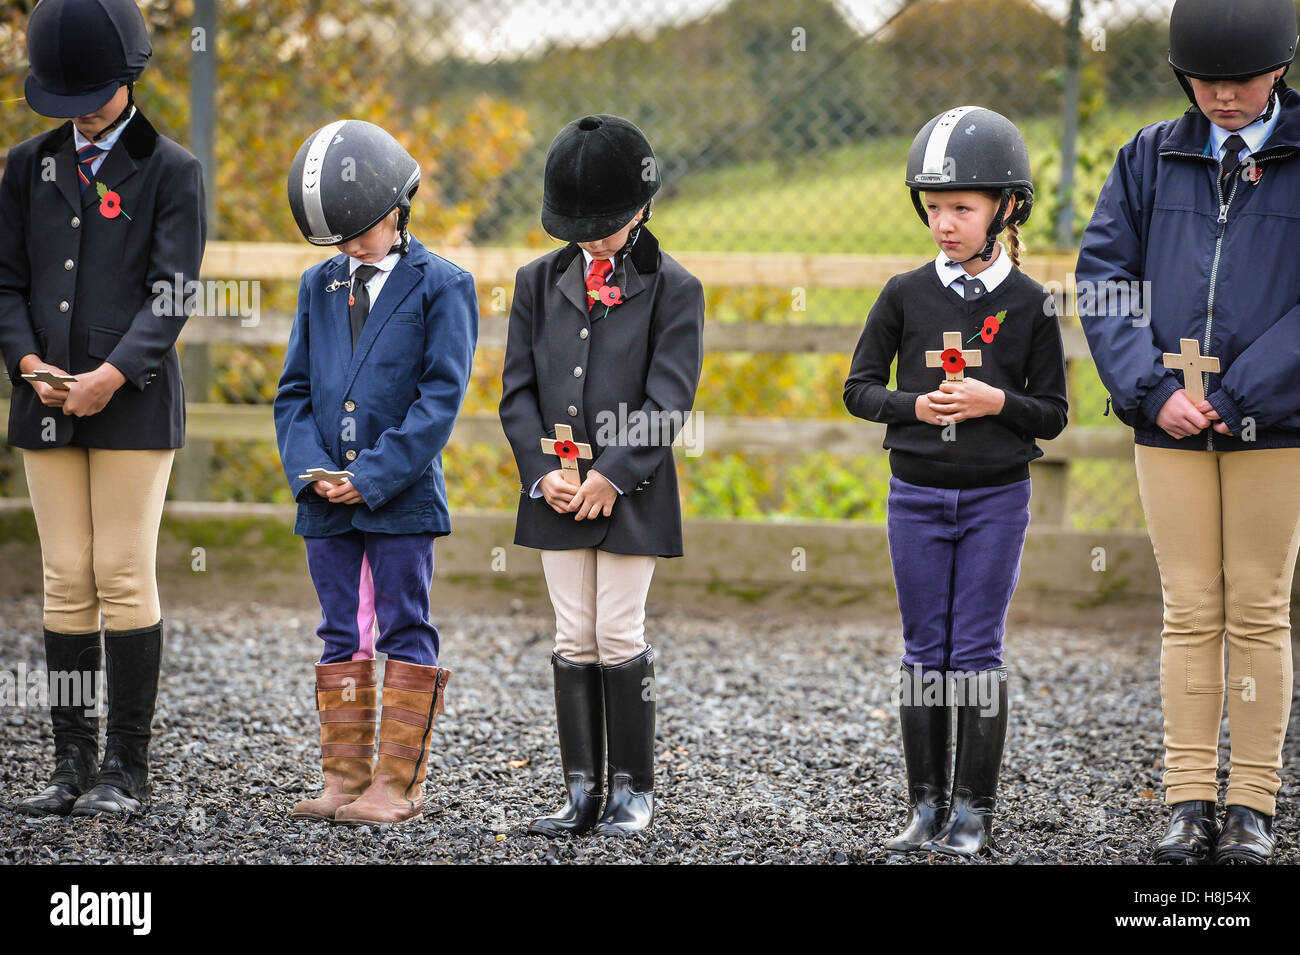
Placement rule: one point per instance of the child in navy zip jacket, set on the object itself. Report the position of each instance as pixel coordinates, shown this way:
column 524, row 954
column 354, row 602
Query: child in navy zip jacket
column 375, row 373
column 1193, row 241
column 980, row 376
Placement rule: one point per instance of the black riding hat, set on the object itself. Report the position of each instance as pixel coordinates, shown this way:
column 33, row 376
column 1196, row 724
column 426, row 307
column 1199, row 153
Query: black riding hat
column 81, row 52
column 1218, row 40
column 346, row 177
column 600, row 171
column 974, row 148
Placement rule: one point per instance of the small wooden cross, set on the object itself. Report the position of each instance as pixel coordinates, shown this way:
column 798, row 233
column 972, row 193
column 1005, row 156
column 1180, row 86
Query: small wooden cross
column 952, row 343
column 1192, row 363
column 568, row 450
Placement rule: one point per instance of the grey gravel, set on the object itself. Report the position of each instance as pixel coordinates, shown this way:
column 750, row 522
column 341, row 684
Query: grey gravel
column 777, row 743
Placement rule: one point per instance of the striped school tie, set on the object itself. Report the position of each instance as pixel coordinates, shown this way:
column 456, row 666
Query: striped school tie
column 85, row 156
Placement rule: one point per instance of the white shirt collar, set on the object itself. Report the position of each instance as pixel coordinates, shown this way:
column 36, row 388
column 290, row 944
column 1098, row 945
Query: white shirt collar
column 1255, row 135
column 107, row 142
column 384, row 265
column 990, row 278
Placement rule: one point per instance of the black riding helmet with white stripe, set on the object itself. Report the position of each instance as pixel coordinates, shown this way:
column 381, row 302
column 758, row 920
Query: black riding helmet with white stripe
column 973, row 148
column 346, row 177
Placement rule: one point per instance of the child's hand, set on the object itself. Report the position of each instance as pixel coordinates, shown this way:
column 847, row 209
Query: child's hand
column 969, row 398
column 343, row 493
column 1207, row 409
column 1180, row 418
column 92, row 390
column 923, row 412
column 594, row 499
column 557, row 491
column 49, row 395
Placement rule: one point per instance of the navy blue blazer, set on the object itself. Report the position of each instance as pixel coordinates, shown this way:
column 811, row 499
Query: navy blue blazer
column 78, row 288
column 385, row 411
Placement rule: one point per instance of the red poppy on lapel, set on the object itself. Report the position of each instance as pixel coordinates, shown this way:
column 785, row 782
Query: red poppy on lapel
column 110, row 203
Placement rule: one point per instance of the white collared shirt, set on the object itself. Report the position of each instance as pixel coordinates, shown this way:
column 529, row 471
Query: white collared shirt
column 990, row 278
column 376, row 283
column 80, row 142
column 1254, row 135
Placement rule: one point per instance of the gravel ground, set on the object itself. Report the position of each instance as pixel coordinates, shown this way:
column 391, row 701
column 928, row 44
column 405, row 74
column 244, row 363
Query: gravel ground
column 777, row 743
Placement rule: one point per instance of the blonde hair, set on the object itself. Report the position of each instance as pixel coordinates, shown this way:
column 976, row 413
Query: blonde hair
column 1015, row 248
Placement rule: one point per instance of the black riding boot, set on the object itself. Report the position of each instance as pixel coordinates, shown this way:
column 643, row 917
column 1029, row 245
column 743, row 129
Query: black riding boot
column 72, row 668
column 133, row 658
column 980, row 735
column 580, row 719
column 630, row 727
column 926, row 728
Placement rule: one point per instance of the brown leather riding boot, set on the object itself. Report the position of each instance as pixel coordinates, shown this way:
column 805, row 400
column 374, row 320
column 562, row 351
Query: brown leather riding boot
column 345, row 696
column 412, row 699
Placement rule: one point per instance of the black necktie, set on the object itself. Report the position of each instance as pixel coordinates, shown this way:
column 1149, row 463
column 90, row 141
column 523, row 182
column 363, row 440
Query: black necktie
column 1232, row 147
column 359, row 300
column 972, row 288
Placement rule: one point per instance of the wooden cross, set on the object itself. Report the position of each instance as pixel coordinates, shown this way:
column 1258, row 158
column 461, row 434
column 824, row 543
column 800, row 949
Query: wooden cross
column 568, row 462
column 952, row 343
column 1192, row 363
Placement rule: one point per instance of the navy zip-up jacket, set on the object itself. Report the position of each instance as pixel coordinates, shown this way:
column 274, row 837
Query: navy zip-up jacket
column 1223, row 267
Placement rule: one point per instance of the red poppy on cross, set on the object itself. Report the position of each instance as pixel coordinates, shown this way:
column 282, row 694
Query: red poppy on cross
column 952, row 359
column 568, row 451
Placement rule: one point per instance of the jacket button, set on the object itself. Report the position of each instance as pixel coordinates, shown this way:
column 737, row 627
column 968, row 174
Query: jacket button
column 582, row 334
column 573, row 412
column 577, row 372
column 76, row 222
column 349, row 406
column 351, row 455
column 67, row 266
column 63, row 306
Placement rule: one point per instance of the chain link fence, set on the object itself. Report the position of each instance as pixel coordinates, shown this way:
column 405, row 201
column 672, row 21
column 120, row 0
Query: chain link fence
column 780, row 126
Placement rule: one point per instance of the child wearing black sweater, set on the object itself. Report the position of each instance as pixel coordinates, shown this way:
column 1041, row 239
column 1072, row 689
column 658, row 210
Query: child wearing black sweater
column 959, row 453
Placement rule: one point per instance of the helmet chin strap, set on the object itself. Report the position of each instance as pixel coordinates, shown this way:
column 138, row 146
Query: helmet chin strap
column 121, row 117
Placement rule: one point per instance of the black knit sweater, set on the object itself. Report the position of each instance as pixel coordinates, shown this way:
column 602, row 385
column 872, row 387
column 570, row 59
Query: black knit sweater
column 1025, row 360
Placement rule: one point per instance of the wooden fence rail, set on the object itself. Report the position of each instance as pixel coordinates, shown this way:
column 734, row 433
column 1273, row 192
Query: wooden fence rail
column 238, row 261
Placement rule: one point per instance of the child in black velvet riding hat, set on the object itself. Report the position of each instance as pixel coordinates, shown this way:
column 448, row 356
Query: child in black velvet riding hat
column 101, row 225
column 607, row 329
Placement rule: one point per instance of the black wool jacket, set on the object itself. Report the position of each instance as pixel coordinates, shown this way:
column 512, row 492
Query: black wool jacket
column 79, row 287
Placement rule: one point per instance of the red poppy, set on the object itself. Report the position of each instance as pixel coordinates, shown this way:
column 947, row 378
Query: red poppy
column 566, row 449
column 110, row 207
column 611, row 295
column 991, row 326
column 110, row 203
column 952, row 360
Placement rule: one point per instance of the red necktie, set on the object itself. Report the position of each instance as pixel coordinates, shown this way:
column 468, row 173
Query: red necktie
column 600, row 270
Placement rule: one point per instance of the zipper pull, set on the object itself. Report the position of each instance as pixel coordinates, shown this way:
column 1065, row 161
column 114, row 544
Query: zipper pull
column 1223, row 213
column 1107, row 411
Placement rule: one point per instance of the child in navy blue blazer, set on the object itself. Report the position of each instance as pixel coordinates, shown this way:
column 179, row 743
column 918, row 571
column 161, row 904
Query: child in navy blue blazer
column 375, row 373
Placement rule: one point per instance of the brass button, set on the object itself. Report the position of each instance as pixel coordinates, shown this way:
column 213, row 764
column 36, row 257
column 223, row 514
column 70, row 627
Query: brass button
column 573, row 412
column 76, row 222
column 351, row 455
column 349, row 406
column 63, row 306
column 577, row 372
column 67, row 266
column 582, row 334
